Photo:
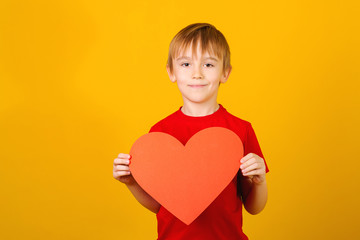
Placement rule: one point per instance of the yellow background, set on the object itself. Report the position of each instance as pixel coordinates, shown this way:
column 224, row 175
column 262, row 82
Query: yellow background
column 80, row 81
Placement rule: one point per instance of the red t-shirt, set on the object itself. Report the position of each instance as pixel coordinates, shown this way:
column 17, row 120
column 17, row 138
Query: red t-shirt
column 223, row 218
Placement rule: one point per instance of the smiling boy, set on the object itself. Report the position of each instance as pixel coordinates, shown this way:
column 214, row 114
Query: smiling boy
column 199, row 61
column 198, row 77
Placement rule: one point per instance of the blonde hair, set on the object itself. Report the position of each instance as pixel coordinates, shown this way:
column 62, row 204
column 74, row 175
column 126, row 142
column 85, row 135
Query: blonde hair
column 211, row 40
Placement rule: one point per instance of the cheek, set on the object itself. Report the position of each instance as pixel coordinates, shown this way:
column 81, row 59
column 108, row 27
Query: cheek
column 180, row 84
column 215, row 80
column 182, row 78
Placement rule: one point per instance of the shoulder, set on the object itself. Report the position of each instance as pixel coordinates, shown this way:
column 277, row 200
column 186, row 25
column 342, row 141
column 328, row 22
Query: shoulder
column 237, row 121
column 160, row 125
column 243, row 128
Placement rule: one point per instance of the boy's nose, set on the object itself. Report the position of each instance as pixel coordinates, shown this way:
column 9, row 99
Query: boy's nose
column 197, row 74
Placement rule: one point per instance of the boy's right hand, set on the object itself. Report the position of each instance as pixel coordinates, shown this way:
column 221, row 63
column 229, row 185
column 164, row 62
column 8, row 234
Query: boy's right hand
column 121, row 170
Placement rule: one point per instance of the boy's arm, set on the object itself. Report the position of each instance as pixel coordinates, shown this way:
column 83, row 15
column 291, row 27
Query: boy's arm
column 253, row 183
column 143, row 197
column 121, row 172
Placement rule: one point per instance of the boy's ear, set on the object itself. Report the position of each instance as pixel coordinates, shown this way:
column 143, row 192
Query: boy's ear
column 171, row 76
column 226, row 75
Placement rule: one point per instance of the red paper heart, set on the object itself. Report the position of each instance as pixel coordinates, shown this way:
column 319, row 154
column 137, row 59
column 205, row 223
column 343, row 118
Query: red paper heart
column 186, row 179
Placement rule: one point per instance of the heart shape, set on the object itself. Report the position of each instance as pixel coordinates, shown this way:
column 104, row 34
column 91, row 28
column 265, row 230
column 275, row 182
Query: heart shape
column 186, row 179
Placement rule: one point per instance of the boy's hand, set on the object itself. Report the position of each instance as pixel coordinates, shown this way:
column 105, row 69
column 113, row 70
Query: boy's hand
column 253, row 167
column 121, row 170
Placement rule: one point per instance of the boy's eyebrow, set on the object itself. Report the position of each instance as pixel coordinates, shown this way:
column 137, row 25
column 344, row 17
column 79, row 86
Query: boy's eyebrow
column 186, row 57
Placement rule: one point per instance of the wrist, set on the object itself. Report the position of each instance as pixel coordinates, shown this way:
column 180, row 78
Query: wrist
column 259, row 182
column 131, row 182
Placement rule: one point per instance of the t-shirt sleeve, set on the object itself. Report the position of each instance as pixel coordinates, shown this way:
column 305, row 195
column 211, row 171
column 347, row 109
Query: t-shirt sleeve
column 252, row 145
column 155, row 128
column 152, row 129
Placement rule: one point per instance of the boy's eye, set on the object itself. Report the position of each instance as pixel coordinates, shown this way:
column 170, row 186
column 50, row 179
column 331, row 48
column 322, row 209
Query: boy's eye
column 188, row 64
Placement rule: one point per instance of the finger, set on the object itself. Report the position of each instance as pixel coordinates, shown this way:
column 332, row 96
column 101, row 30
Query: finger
column 247, row 163
column 121, row 173
column 251, row 167
column 247, row 157
column 122, row 168
column 124, row 155
column 254, row 172
column 121, row 161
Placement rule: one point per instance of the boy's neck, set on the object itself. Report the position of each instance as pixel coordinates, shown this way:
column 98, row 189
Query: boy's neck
column 199, row 110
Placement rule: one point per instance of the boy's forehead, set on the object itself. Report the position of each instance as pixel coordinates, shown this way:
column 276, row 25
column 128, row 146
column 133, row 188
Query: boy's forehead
column 186, row 57
column 188, row 53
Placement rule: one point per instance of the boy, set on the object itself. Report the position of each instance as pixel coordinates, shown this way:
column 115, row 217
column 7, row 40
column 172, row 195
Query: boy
column 198, row 61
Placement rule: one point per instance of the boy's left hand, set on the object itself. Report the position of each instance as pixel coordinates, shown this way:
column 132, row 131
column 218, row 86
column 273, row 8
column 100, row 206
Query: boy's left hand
column 253, row 167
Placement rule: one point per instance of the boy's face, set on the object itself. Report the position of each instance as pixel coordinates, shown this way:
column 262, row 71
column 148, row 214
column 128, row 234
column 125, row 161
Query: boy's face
column 198, row 78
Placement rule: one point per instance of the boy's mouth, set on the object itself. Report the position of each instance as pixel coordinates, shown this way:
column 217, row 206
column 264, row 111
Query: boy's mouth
column 197, row 85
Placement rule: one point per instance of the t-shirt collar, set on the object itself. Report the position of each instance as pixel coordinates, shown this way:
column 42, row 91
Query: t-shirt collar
column 214, row 114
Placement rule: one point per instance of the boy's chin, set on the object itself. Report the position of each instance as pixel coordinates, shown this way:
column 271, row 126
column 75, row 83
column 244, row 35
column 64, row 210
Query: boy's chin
column 197, row 100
